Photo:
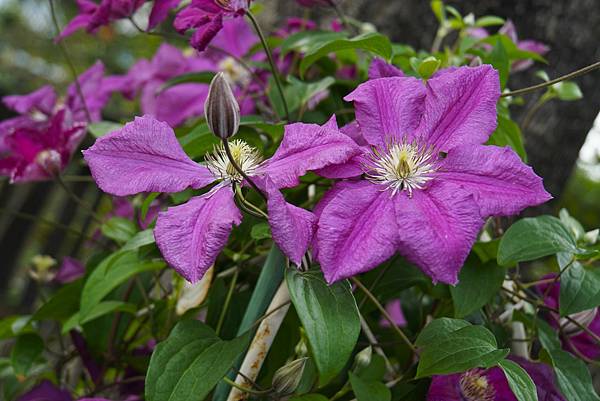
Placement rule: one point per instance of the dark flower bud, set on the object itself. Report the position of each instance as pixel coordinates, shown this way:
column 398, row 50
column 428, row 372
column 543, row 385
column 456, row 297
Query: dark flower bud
column 287, row 378
column 221, row 109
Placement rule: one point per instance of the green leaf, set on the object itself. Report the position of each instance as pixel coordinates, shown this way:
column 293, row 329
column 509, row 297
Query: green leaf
column 374, row 43
column 477, row 284
column 567, row 91
column 190, row 362
column 63, row 304
column 147, row 203
column 330, row 317
column 305, row 40
column 139, row 240
column 579, row 289
column 101, row 309
column 12, row 326
column 508, row 133
column 437, row 6
column 203, row 77
column 500, row 60
column 260, row 231
column 460, row 350
column 110, row 273
column 438, row 328
column 102, row 128
column 534, row 238
column 519, row 381
column 489, row 20
column 119, row 229
column 27, row 349
column 369, row 390
column 573, row 376
column 428, row 67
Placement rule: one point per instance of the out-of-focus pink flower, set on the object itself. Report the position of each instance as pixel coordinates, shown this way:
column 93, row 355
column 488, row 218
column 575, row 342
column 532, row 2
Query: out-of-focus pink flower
column 39, row 142
column 93, row 15
column 206, row 18
column 574, row 337
column 394, row 309
column 510, row 30
column 46, row 391
column 70, row 270
column 177, row 104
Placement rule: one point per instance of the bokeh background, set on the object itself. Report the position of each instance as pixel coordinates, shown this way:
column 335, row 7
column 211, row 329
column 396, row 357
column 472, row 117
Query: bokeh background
column 562, row 141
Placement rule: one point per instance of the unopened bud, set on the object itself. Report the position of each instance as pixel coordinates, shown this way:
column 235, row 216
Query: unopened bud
column 40, row 269
column 363, row 359
column 50, row 161
column 301, row 348
column 287, row 378
column 221, row 109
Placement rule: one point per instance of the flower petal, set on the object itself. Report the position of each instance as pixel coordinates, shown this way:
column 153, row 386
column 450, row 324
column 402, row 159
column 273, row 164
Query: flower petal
column 160, row 11
column 381, row 69
column 42, row 100
column 206, row 32
column 191, row 236
column 356, row 230
column 351, row 168
column 307, row 147
column 460, row 107
column 436, row 229
column 144, row 156
column 292, row 227
column 388, row 108
column 500, row 182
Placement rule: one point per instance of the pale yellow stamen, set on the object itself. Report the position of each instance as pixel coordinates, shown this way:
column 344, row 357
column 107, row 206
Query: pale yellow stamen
column 245, row 156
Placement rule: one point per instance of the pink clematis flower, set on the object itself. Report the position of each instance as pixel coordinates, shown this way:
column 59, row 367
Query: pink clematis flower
column 145, row 157
column 425, row 180
column 509, row 30
column 46, row 391
column 39, row 142
column 93, row 15
column 206, row 18
column 574, row 337
column 179, row 103
column 492, row 385
column 394, row 309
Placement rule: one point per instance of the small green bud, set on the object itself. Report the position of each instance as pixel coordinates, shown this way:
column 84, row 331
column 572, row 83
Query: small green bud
column 363, row 359
column 301, row 348
column 287, row 378
column 221, row 108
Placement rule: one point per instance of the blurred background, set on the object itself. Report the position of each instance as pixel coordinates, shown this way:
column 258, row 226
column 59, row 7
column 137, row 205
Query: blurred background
column 562, row 141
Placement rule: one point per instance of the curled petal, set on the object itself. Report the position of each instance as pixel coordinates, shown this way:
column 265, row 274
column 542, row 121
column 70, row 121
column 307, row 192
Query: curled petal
column 42, row 100
column 381, row 69
column 436, row 229
column 144, row 156
column 356, row 230
column 460, row 107
column 307, row 147
column 160, row 11
column 292, row 227
column 388, row 108
column 191, row 236
column 500, row 182
column 206, row 32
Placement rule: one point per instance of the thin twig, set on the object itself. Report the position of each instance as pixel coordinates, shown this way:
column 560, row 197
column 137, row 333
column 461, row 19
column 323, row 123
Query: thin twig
column 227, row 301
column 237, row 167
column 543, row 85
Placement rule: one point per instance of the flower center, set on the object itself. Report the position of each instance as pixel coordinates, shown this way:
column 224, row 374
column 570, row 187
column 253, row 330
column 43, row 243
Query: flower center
column 474, row 386
column 235, row 73
column 244, row 155
column 404, row 166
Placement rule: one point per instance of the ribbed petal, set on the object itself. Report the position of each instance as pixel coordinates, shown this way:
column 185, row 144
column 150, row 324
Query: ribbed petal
column 160, row 11
column 191, row 236
column 144, row 156
column 292, row 227
column 206, row 32
column 460, row 107
column 174, row 105
column 356, row 230
column 388, row 108
column 436, row 229
column 307, row 147
column 500, row 182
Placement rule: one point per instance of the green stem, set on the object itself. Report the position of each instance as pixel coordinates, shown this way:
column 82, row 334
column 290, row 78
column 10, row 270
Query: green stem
column 543, row 85
column 77, row 199
column 227, row 301
column 245, row 389
column 384, row 313
column 274, row 68
column 65, row 54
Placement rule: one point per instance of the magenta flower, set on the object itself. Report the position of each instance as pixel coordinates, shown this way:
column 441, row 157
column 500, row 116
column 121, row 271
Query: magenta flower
column 206, row 18
column 70, row 270
column 39, row 142
column 46, row 391
column 427, row 181
column 492, row 385
column 145, row 157
column 394, row 309
column 574, row 337
column 93, row 15
column 177, row 104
